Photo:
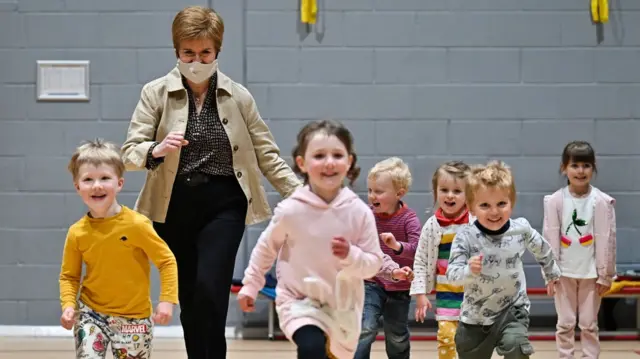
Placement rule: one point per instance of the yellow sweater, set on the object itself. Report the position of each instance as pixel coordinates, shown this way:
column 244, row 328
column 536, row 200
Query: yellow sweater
column 116, row 253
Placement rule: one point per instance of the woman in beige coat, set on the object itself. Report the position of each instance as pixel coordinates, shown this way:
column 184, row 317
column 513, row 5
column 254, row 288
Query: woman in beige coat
column 199, row 136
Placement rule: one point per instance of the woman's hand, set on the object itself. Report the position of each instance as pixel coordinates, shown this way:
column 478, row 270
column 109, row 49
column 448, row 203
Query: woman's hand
column 171, row 143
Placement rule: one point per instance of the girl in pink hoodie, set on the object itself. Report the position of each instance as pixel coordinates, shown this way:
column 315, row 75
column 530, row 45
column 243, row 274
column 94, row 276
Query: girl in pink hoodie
column 580, row 225
column 325, row 239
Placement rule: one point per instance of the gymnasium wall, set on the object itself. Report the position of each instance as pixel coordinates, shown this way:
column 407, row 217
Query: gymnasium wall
column 425, row 80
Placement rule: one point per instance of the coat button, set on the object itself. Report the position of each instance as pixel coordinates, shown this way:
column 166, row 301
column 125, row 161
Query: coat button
column 225, row 121
column 235, row 148
column 250, row 200
column 239, row 174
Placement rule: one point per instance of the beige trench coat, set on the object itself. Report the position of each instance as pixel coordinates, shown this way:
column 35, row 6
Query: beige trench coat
column 164, row 107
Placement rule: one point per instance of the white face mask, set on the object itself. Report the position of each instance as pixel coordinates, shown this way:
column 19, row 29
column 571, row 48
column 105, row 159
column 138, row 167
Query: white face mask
column 197, row 72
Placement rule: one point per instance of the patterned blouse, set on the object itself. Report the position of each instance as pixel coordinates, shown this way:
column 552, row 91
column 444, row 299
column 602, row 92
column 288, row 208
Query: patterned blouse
column 209, row 150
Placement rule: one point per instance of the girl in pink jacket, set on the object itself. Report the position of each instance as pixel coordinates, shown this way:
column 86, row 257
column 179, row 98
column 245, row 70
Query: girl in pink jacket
column 325, row 239
column 580, row 225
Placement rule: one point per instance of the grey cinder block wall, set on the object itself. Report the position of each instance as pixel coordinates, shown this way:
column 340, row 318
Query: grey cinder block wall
column 425, row 80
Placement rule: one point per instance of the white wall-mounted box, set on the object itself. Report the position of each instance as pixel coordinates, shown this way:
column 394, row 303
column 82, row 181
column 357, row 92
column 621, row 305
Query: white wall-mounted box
column 63, row 80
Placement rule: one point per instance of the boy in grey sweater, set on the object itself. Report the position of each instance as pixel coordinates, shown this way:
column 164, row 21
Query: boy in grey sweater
column 486, row 258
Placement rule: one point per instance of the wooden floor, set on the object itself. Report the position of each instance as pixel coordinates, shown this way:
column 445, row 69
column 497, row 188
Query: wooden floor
column 45, row 348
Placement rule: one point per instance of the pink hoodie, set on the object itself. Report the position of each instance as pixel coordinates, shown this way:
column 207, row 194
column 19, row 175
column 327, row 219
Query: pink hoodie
column 314, row 287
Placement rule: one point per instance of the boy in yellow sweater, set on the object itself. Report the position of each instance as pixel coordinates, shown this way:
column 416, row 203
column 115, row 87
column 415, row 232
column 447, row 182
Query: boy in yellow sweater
column 115, row 244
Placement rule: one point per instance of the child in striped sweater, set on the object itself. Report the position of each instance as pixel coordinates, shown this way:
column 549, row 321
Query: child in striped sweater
column 432, row 255
column 399, row 230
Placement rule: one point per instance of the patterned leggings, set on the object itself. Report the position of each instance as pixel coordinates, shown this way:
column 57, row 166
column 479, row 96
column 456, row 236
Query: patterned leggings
column 129, row 338
column 446, row 339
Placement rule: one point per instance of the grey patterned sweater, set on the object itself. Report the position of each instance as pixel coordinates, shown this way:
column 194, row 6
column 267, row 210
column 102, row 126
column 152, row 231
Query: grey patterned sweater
column 502, row 281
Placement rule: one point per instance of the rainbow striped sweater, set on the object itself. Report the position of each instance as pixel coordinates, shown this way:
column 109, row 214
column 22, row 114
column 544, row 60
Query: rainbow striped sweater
column 448, row 296
column 431, row 262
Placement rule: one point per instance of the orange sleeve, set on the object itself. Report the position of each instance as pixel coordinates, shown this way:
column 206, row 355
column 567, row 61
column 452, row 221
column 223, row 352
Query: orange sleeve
column 70, row 272
column 161, row 256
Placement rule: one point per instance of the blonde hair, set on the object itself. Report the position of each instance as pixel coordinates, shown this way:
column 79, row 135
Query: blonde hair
column 493, row 175
column 397, row 169
column 456, row 169
column 197, row 22
column 96, row 152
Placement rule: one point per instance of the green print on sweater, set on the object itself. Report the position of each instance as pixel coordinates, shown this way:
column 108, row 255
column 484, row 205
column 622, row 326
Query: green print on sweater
column 575, row 222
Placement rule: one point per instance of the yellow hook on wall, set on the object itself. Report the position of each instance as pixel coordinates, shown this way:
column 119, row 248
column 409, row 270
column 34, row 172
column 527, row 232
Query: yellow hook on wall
column 308, row 11
column 600, row 10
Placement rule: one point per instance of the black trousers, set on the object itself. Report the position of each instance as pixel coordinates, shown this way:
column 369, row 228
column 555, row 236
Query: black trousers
column 204, row 227
column 311, row 342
